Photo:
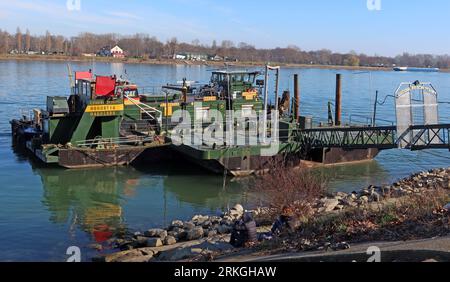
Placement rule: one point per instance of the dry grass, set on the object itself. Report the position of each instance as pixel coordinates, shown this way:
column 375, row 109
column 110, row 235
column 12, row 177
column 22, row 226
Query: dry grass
column 416, row 216
column 295, row 188
column 413, row 217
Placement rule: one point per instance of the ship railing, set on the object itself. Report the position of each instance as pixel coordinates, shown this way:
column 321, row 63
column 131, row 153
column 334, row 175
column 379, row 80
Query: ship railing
column 381, row 137
column 26, row 113
column 360, row 120
column 150, row 111
column 133, row 140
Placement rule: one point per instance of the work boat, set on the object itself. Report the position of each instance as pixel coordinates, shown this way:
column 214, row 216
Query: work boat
column 245, row 93
column 87, row 128
column 293, row 144
column 106, row 121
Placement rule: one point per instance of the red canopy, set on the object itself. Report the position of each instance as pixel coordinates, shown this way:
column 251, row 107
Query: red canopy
column 83, row 75
column 105, row 86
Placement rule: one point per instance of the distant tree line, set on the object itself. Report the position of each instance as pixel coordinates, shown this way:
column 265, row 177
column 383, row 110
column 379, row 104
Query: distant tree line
column 145, row 46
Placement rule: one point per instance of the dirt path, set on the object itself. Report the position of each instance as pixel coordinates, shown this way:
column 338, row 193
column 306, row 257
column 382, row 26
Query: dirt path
column 434, row 249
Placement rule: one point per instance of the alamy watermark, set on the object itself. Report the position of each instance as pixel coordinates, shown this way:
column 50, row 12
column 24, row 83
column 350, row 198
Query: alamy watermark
column 374, row 5
column 213, row 128
column 74, row 254
column 375, row 254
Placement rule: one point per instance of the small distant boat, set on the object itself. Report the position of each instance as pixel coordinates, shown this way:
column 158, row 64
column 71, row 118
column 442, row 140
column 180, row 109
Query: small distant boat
column 416, row 69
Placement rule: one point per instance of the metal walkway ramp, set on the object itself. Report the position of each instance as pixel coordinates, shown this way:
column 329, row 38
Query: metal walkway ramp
column 417, row 137
column 418, row 128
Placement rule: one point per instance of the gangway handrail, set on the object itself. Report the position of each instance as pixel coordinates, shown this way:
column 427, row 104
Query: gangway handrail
column 347, row 128
column 114, row 141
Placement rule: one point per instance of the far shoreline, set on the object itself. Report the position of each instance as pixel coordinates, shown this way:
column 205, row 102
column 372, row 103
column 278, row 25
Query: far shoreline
column 60, row 58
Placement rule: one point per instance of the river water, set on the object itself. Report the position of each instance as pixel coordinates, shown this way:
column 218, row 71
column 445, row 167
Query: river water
column 44, row 210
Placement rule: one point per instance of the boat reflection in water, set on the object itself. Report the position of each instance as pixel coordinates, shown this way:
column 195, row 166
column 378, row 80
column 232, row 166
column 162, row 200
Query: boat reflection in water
column 104, row 202
column 111, row 201
column 88, row 199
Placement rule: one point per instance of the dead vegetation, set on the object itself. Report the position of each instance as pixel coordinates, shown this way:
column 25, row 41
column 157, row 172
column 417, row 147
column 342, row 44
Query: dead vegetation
column 294, row 188
column 409, row 217
column 412, row 217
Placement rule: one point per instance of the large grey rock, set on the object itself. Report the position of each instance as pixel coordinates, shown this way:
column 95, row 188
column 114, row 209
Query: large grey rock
column 176, row 224
column 195, row 233
column 182, row 235
column 211, row 233
column 120, row 256
column 188, row 225
column 200, row 219
column 349, row 202
column 156, row 232
column 206, row 224
column 227, row 222
column 224, row 229
column 154, row 242
column 329, row 204
column 227, row 218
column 375, row 197
column 195, row 250
column 179, row 254
column 140, row 241
column 215, row 219
column 170, row 240
column 175, row 230
column 173, row 233
column 364, row 199
column 135, row 259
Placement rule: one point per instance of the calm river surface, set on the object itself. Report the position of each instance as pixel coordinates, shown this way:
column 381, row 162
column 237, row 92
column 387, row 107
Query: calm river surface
column 45, row 210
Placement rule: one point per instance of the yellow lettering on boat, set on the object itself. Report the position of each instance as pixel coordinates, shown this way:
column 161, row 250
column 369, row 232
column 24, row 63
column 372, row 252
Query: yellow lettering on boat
column 104, row 108
column 209, row 98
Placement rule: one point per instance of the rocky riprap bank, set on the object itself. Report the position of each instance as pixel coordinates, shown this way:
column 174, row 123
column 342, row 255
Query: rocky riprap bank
column 208, row 236
column 422, row 182
column 202, row 234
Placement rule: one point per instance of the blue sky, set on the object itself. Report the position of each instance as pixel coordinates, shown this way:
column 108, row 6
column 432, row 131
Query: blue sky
column 415, row 26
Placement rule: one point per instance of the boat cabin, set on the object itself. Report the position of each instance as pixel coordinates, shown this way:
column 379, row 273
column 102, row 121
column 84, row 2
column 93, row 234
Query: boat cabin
column 239, row 84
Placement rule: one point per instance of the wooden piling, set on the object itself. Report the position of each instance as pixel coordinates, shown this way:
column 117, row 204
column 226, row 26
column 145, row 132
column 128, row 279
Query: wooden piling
column 296, row 98
column 338, row 114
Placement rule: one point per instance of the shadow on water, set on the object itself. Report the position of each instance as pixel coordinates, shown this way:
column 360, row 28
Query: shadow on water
column 355, row 176
column 190, row 183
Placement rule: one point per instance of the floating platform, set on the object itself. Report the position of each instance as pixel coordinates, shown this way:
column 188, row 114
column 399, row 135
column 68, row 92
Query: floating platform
column 247, row 160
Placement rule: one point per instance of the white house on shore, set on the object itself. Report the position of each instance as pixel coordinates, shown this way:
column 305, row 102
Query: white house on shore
column 117, row 52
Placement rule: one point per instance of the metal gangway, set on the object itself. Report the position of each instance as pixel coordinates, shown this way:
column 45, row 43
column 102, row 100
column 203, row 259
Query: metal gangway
column 417, row 126
column 416, row 137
